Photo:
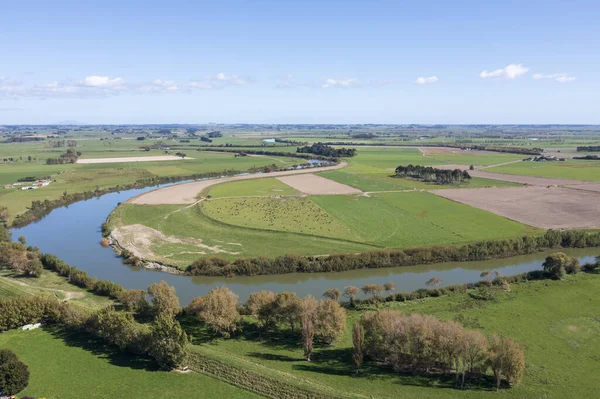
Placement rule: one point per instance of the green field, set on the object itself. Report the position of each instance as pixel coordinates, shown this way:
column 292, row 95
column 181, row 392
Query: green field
column 372, row 169
column 561, row 342
column 48, row 284
column 76, row 178
column 251, row 188
column 315, row 225
column 570, row 169
column 237, row 241
column 70, row 366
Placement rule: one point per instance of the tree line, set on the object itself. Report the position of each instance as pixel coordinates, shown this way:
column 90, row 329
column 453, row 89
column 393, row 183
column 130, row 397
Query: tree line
column 433, row 175
column 591, row 148
column 327, row 151
column 424, row 344
column 478, row 251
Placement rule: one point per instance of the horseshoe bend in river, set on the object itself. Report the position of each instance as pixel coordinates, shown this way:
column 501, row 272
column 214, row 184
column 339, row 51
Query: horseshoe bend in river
column 73, row 233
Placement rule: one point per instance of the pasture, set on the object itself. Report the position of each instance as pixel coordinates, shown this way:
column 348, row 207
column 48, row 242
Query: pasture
column 67, row 365
column 251, row 188
column 539, row 315
column 571, row 169
column 313, row 225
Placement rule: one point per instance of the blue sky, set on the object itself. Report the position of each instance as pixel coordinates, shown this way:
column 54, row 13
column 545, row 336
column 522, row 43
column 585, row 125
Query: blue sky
column 300, row 61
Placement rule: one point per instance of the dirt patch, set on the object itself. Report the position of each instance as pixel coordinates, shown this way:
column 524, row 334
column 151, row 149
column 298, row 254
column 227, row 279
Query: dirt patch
column 132, row 159
column 317, row 185
column 139, row 239
column 186, row 193
column 544, row 207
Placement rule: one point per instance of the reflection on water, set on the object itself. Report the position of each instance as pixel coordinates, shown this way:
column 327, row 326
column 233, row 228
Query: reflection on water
column 73, row 233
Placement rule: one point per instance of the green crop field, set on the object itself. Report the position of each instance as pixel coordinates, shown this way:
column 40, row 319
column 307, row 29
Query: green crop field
column 250, row 188
column 70, row 366
column 561, row 342
column 570, row 169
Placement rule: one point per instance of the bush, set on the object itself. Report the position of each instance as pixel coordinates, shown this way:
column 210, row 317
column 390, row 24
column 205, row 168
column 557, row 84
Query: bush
column 14, row 374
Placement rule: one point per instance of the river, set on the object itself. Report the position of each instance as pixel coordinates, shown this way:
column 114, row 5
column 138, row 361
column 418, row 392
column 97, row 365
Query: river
column 73, row 234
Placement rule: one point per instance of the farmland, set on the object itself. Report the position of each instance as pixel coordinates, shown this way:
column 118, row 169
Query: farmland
column 560, row 341
column 570, row 169
column 247, row 227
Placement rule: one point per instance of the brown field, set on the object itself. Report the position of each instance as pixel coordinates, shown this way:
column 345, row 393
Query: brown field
column 538, row 206
column 317, row 185
column 186, row 193
column 439, row 150
column 132, row 159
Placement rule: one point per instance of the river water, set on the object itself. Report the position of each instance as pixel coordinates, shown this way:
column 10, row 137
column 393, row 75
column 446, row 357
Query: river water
column 73, row 234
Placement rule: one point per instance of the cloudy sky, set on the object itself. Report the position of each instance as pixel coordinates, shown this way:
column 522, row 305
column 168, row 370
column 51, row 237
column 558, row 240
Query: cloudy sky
column 300, row 61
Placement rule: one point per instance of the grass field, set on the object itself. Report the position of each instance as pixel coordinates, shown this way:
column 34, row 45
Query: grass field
column 570, row 169
column 315, row 225
column 67, row 366
column 192, row 222
column 48, row 284
column 254, row 187
column 561, row 342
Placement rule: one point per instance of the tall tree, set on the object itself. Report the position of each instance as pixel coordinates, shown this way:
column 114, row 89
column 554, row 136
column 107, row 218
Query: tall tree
column 168, row 342
column 350, row 292
column 308, row 319
column 219, row 311
column 358, row 341
column 164, row 299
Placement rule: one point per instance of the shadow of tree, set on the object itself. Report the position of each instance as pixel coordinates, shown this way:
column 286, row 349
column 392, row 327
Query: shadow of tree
column 273, row 357
column 85, row 341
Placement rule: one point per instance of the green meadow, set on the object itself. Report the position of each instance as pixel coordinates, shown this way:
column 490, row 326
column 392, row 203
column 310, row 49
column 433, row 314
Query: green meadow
column 570, row 169
column 561, row 343
column 314, row 225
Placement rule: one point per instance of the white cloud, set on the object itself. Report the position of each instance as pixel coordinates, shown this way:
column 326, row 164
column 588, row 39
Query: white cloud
column 102, row 86
column 426, row 80
column 560, row 77
column 232, row 79
column 339, row 83
column 102, row 81
column 511, row 71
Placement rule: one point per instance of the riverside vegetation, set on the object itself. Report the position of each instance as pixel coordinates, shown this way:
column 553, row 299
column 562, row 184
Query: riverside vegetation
column 160, row 330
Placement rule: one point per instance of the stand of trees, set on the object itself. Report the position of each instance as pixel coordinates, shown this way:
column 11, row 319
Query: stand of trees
column 589, row 157
column 70, row 156
column 477, row 251
column 23, row 261
column 512, row 150
column 429, row 174
column 423, row 344
column 591, row 148
column 327, row 151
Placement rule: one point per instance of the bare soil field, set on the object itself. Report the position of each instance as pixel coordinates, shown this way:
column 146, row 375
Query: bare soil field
column 186, row 193
column 132, row 159
column 544, row 207
column 439, row 150
column 317, row 185
column 529, row 180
